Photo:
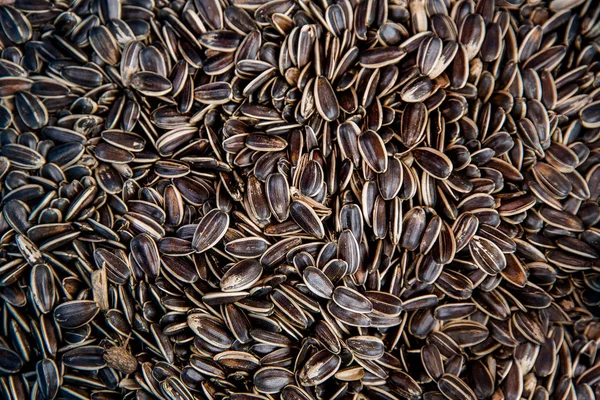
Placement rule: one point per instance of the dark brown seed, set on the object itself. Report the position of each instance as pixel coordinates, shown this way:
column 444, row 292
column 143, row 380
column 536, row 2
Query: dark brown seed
column 266, row 143
column 82, row 76
column 220, row 40
column 390, row 182
column 210, row 329
column 429, row 54
column 85, row 358
column 325, row 99
column 48, row 378
column 405, row 385
column 414, row 121
column 590, row 115
column 22, row 156
column 15, row 24
column 43, row 287
column 12, row 85
column 213, row 93
column 151, row 84
column 211, row 12
column 278, row 196
column 366, row 347
column 75, row 313
column 111, row 154
column 241, row 276
column 381, row 57
column 251, row 247
column 432, row 361
column 487, row 255
column 561, row 219
column 547, row 58
column 307, row 219
column 472, row 34
column 351, row 300
column 31, row 109
column 211, row 228
column 319, row 368
column 433, row 162
column 466, row 333
column 417, row 90
column 373, row 151
column 311, row 179
column 317, row 282
column 10, row 362
column 455, row 388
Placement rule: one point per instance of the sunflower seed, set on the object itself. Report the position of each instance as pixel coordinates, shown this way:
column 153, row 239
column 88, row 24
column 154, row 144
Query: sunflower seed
column 299, row 199
column 75, row 313
column 211, row 228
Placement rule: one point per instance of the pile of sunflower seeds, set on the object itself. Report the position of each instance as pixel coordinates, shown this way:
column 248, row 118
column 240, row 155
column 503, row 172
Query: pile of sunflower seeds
column 300, row 199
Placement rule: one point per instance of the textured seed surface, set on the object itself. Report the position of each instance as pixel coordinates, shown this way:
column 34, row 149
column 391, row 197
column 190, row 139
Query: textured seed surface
column 291, row 199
